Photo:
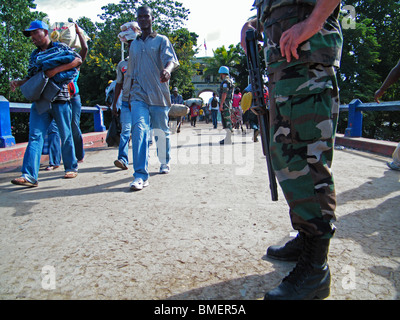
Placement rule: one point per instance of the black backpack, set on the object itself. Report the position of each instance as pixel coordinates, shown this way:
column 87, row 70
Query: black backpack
column 214, row 102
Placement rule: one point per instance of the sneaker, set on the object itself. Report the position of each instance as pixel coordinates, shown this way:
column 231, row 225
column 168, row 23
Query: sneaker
column 120, row 164
column 139, row 184
column 164, row 169
column 393, row 166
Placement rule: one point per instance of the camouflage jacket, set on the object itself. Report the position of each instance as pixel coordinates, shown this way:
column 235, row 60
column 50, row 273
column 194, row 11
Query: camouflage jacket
column 226, row 86
column 277, row 16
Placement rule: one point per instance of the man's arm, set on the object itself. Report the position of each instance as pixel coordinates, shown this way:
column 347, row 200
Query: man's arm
column 117, row 92
column 392, row 77
column 64, row 67
column 166, row 73
column 17, row 83
column 84, row 46
column 251, row 24
column 304, row 30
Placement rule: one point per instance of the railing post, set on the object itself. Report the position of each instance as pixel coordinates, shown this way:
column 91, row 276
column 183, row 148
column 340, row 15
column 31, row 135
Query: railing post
column 99, row 120
column 6, row 138
column 354, row 126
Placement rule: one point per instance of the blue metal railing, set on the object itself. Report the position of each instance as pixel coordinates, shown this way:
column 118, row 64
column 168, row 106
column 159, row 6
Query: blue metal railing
column 354, row 126
column 6, row 107
column 355, row 109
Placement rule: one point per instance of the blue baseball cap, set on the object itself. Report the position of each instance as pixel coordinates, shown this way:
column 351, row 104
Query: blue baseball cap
column 37, row 24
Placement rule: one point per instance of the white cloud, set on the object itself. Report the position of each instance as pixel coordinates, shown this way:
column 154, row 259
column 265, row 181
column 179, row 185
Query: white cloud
column 72, row 9
column 218, row 22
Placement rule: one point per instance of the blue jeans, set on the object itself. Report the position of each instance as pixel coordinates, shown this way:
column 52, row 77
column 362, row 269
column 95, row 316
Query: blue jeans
column 141, row 114
column 76, row 106
column 54, row 144
column 214, row 116
column 38, row 126
column 126, row 125
column 54, row 137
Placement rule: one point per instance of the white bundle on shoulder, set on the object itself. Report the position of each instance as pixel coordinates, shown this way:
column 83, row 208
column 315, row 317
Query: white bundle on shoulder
column 128, row 31
column 65, row 32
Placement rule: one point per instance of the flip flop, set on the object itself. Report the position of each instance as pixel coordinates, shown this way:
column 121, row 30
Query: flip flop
column 49, row 168
column 70, row 174
column 21, row 181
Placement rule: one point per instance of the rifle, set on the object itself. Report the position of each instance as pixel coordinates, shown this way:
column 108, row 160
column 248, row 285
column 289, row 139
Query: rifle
column 259, row 106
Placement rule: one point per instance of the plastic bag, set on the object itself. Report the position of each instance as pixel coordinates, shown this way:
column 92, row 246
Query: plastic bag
column 114, row 132
column 246, row 101
column 178, row 110
column 128, row 32
column 192, row 101
column 65, row 32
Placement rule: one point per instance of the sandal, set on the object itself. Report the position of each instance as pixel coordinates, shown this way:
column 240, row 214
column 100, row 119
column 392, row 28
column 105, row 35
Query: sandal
column 50, row 168
column 21, row 181
column 70, row 174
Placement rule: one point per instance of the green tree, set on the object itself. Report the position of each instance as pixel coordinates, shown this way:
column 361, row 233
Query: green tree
column 169, row 15
column 242, row 76
column 15, row 16
column 358, row 78
column 223, row 57
column 15, row 49
column 384, row 17
column 183, row 42
column 105, row 49
column 370, row 51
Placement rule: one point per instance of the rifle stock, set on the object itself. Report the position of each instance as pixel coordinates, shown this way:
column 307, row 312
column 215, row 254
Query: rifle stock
column 259, row 106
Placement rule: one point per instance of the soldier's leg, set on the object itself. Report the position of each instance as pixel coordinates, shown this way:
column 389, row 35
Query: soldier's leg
column 227, row 121
column 226, row 114
column 304, row 108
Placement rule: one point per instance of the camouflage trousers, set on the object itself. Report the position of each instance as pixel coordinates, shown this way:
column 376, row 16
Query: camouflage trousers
column 304, row 105
column 226, row 118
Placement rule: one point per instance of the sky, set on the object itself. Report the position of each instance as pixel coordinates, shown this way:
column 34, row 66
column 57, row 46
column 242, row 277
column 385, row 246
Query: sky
column 217, row 22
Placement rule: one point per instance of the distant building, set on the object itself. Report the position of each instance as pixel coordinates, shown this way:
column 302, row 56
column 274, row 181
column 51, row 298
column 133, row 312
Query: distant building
column 204, row 84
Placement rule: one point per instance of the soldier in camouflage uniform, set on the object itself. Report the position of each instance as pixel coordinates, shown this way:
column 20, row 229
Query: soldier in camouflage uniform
column 302, row 47
column 225, row 99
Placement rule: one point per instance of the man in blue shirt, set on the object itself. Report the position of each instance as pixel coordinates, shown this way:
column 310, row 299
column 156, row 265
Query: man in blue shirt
column 151, row 61
column 39, row 122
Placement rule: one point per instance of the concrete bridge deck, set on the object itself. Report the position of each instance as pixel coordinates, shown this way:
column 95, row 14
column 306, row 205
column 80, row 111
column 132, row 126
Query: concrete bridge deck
column 199, row 232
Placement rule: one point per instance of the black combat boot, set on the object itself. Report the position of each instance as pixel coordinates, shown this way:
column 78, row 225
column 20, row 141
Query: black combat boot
column 290, row 251
column 310, row 279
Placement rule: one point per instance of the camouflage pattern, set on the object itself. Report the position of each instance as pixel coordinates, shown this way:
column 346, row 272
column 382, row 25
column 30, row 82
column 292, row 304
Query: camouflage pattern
column 226, row 87
column 267, row 6
column 325, row 47
column 304, row 105
column 304, row 108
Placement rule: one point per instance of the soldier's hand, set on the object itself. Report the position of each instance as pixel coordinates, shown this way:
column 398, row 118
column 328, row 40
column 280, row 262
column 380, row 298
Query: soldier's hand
column 297, row 34
column 304, row 30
